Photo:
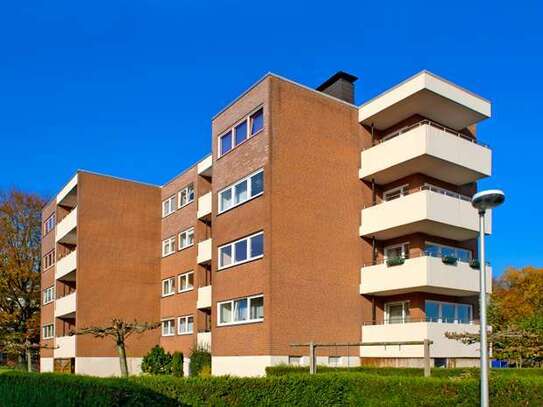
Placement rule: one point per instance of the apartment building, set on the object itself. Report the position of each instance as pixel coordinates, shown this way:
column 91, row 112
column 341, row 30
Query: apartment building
column 313, row 219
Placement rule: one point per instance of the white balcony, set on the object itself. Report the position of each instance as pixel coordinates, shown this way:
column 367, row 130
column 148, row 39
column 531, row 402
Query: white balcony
column 67, row 229
column 204, row 251
column 64, row 347
column 426, row 211
column 441, row 347
column 67, row 197
column 427, row 95
column 203, row 340
column 65, row 266
column 65, row 306
column 204, row 206
column 429, row 149
column 204, row 297
column 423, row 274
column 205, row 167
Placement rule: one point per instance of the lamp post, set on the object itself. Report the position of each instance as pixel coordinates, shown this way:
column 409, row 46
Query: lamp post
column 482, row 201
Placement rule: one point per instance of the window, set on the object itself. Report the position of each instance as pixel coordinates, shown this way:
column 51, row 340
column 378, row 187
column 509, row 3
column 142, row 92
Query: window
column 238, row 133
column 398, row 250
column 49, row 259
column 48, row 331
column 186, row 282
column 49, row 224
column 397, row 312
column 168, row 246
column 241, row 311
column 295, row 360
column 49, row 295
column 186, row 195
column 168, row 286
column 448, row 312
column 438, row 250
column 241, row 251
column 186, row 238
column 168, row 327
column 395, row 193
column 185, row 325
column 243, row 190
column 168, row 206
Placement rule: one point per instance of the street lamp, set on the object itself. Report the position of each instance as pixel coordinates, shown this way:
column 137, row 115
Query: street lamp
column 482, row 201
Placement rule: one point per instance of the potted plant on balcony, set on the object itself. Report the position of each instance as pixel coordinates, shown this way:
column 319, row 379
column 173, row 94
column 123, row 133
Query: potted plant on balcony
column 395, row 261
column 475, row 264
column 452, row 260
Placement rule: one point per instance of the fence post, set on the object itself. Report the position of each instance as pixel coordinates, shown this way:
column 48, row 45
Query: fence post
column 312, row 365
column 426, row 358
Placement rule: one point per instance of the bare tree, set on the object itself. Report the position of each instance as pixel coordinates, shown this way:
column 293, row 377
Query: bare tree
column 119, row 330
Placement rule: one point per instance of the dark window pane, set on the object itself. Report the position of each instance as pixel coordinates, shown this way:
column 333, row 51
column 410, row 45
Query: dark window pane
column 241, row 250
column 226, row 143
column 447, row 313
column 241, row 132
column 257, row 122
column 257, row 308
column 257, row 183
column 257, row 245
column 432, row 312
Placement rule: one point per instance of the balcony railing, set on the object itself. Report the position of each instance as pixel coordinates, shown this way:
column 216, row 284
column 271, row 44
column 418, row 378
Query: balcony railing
column 472, row 261
column 426, row 187
column 409, row 320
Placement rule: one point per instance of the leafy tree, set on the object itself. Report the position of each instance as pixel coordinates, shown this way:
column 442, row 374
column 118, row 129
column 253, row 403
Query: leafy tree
column 20, row 260
column 157, row 361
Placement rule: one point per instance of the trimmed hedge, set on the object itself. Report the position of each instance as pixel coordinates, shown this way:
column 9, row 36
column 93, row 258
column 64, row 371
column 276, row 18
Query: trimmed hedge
column 327, row 389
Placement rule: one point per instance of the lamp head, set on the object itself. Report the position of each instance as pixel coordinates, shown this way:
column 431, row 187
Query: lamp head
column 488, row 199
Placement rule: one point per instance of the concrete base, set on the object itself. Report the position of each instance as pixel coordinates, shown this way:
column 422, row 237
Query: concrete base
column 46, row 365
column 105, row 366
column 418, row 362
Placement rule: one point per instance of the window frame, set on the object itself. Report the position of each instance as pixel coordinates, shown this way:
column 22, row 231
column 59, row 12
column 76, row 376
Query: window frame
column 186, row 231
column 48, row 292
column 232, row 189
column 231, row 129
column 444, row 246
column 405, row 312
column 50, row 223
column 403, row 245
column 163, row 284
column 186, row 189
column 440, row 312
column 46, row 328
column 185, row 318
column 51, row 254
column 170, row 200
column 180, row 276
column 246, row 321
column 402, row 189
column 163, row 324
column 171, row 243
column 233, row 252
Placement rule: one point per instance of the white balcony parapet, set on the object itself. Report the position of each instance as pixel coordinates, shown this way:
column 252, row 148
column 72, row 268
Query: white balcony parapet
column 441, row 347
column 66, row 306
column 432, row 211
column 204, row 297
column 427, row 95
column 66, row 228
column 204, row 251
column 204, row 205
column 66, row 265
column 423, row 274
column 430, row 149
column 205, row 167
column 64, row 347
column 67, row 195
column 203, row 340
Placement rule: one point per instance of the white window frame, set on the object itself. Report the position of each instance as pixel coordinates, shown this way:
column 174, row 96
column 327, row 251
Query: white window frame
column 51, row 254
column 337, row 362
column 49, row 295
column 48, row 331
column 405, row 312
column 185, row 232
column 440, row 311
column 50, row 223
column 163, row 324
column 186, row 319
column 401, row 189
column 170, row 243
column 189, row 200
column 444, row 246
column 248, row 320
column 403, row 245
column 231, row 129
column 171, row 202
column 294, row 360
column 233, row 248
column 185, row 276
column 171, row 280
column 232, row 189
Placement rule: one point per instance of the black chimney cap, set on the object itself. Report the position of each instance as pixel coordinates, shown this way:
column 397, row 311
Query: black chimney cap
column 337, row 76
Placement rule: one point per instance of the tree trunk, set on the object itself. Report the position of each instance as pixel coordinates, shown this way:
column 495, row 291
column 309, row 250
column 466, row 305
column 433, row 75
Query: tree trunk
column 28, row 360
column 122, row 359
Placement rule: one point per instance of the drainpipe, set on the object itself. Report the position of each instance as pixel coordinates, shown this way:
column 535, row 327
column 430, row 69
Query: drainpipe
column 373, row 311
column 372, row 136
column 373, row 196
column 373, row 253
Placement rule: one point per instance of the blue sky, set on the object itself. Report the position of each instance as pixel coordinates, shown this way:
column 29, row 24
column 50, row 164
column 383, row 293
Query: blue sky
column 128, row 87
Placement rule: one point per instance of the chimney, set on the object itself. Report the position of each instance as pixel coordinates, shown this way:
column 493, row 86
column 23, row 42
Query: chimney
column 340, row 85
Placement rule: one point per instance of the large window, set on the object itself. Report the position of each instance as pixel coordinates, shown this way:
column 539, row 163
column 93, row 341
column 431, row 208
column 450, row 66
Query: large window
column 242, row 191
column 248, row 127
column 186, row 238
column 49, row 295
column 168, row 286
column 241, row 251
column 241, row 311
column 168, row 206
column 49, row 224
column 48, row 331
column 438, row 250
column 186, row 281
column 168, row 327
column 399, row 250
column 397, row 312
column 448, row 312
column 185, row 325
column 49, row 259
column 186, row 195
column 168, row 246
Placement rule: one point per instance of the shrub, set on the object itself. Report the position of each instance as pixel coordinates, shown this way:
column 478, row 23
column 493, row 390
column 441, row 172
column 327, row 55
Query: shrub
column 452, row 260
column 177, row 364
column 474, row 264
column 157, row 361
column 199, row 358
column 395, row 261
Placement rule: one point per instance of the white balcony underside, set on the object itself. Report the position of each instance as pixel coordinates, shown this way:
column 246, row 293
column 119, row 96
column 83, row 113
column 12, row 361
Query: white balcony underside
column 442, row 347
column 204, row 206
column 204, row 251
column 205, row 167
column 64, row 347
column 204, row 297
column 66, row 231
column 65, row 307
column 423, row 274
column 65, row 266
column 427, row 150
column 423, row 212
column 68, row 195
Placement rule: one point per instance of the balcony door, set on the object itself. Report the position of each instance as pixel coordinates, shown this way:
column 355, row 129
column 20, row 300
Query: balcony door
column 396, row 312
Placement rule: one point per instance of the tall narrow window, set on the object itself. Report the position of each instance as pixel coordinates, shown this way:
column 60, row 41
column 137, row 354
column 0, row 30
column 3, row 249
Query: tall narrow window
column 241, row 132
column 186, row 238
column 168, row 286
column 168, row 246
column 185, row 325
column 226, row 142
column 168, row 206
column 186, row 282
column 168, row 327
column 186, row 195
column 257, row 121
